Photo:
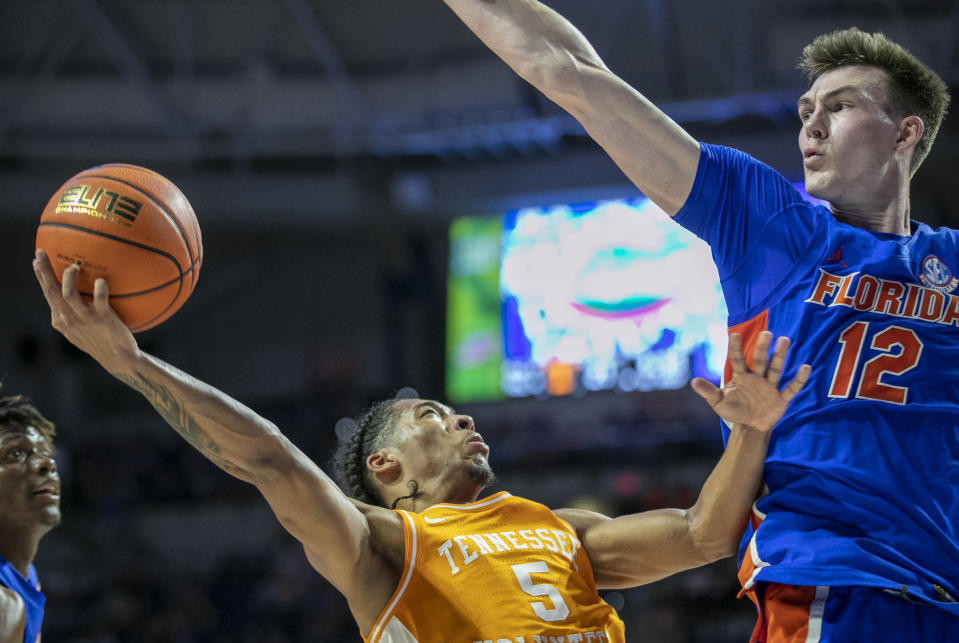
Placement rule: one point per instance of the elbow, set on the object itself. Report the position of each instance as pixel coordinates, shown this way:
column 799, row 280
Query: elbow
column 710, row 552
column 566, row 78
column 712, row 540
column 267, row 456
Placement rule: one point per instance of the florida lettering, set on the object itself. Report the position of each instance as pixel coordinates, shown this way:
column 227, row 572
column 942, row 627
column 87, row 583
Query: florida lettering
column 867, row 293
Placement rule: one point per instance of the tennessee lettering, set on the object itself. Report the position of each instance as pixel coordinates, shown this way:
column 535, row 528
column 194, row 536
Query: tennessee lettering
column 886, row 297
column 460, row 551
column 577, row 637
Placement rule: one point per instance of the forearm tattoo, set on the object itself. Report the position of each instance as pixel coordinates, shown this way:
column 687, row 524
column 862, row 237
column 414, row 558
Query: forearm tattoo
column 180, row 419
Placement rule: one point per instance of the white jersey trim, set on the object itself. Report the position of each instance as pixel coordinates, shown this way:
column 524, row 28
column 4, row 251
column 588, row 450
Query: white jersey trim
column 378, row 627
column 816, row 610
column 503, row 495
column 762, row 494
column 396, row 632
column 758, row 563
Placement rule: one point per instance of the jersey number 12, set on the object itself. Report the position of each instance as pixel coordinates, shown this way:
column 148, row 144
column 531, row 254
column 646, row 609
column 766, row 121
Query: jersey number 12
column 899, row 349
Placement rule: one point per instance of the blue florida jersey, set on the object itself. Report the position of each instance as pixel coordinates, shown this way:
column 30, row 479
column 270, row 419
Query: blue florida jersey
column 29, row 590
column 862, row 475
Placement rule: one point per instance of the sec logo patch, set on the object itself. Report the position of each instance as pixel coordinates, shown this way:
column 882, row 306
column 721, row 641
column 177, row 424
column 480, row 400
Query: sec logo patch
column 935, row 274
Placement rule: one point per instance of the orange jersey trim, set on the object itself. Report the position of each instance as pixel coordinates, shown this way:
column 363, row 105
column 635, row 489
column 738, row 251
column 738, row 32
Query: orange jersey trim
column 749, row 331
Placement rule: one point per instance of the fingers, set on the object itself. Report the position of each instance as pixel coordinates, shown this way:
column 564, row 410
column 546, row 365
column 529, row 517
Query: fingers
column 736, row 359
column 101, row 297
column 706, row 390
column 769, row 367
column 44, row 273
column 775, row 369
column 62, row 295
column 761, row 352
column 69, row 285
column 48, row 280
column 802, row 375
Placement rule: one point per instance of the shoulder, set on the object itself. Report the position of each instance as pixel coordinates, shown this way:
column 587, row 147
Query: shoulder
column 375, row 573
column 731, row 160
column 9, row 597
column 732, row 185
column 386, row 531
column 923, row 230
column 13, row 615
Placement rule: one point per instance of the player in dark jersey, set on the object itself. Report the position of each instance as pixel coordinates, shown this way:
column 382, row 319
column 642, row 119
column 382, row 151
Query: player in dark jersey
column 857, row 534
column 29, row 508
column 422, row 455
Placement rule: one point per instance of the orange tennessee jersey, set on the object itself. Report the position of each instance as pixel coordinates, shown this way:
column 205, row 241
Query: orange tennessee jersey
column 498, row 570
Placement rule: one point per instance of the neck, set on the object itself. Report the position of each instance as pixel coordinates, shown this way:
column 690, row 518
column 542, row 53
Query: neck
column 898, row 224
column 429, row 495
column 887, row 213
column 19, row 546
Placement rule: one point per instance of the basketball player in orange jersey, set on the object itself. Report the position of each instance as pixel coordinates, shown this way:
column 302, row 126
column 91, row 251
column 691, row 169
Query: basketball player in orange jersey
column 446, row 566
column 29, row 508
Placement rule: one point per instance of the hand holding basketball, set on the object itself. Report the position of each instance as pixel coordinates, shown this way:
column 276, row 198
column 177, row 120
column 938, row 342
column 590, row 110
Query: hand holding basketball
column 132, row 227
column 93, row 328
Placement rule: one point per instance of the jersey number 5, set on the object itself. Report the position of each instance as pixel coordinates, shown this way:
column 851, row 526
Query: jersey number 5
column 523, row 572
column 899, row 348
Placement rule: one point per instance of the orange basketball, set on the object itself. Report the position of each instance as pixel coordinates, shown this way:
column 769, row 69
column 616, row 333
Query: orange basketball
column 134, row 228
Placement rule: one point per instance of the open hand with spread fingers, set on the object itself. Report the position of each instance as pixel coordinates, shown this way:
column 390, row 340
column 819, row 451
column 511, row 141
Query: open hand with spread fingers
column 752, row 396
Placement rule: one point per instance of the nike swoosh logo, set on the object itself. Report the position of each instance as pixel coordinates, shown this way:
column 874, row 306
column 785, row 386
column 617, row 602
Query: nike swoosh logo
column 433, row 521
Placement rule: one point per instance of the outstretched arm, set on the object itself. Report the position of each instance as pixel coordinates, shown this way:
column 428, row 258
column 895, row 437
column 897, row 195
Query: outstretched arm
column 552, row 55
column 335, row 534
column 641, row 548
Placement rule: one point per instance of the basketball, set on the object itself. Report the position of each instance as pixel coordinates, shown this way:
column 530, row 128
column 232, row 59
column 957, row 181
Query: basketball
column 132, row 227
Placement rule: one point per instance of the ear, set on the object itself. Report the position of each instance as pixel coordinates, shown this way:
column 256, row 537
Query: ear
column 384, row 466
column 910, row 131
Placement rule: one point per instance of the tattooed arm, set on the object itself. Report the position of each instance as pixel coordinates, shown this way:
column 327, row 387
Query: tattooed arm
column 228, row 434
column 336, row 535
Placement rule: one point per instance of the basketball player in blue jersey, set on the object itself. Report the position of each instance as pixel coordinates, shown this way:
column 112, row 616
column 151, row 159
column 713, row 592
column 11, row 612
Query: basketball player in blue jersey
column 856, row 536
column 29, row 508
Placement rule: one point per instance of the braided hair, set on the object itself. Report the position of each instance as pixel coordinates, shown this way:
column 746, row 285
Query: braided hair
column 18, row 412
column 358, row 439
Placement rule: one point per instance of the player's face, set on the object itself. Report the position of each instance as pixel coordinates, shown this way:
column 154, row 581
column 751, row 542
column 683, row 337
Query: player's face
column 848, row 139
column 438, row 443
column 29, row 482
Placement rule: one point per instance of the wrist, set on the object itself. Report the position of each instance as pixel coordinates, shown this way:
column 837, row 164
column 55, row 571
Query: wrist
column 122, row 360
column 751, row 432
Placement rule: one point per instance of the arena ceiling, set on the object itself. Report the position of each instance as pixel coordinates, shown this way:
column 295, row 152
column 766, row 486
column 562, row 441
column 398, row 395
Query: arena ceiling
column 287, row 87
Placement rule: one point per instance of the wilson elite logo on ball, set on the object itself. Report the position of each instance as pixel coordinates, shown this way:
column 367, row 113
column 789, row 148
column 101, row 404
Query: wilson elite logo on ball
column 132, row 227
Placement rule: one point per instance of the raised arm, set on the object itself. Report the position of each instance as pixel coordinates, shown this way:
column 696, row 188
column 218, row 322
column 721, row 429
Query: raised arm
column 552, row 55
column 640, row 548
column 334, row 532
